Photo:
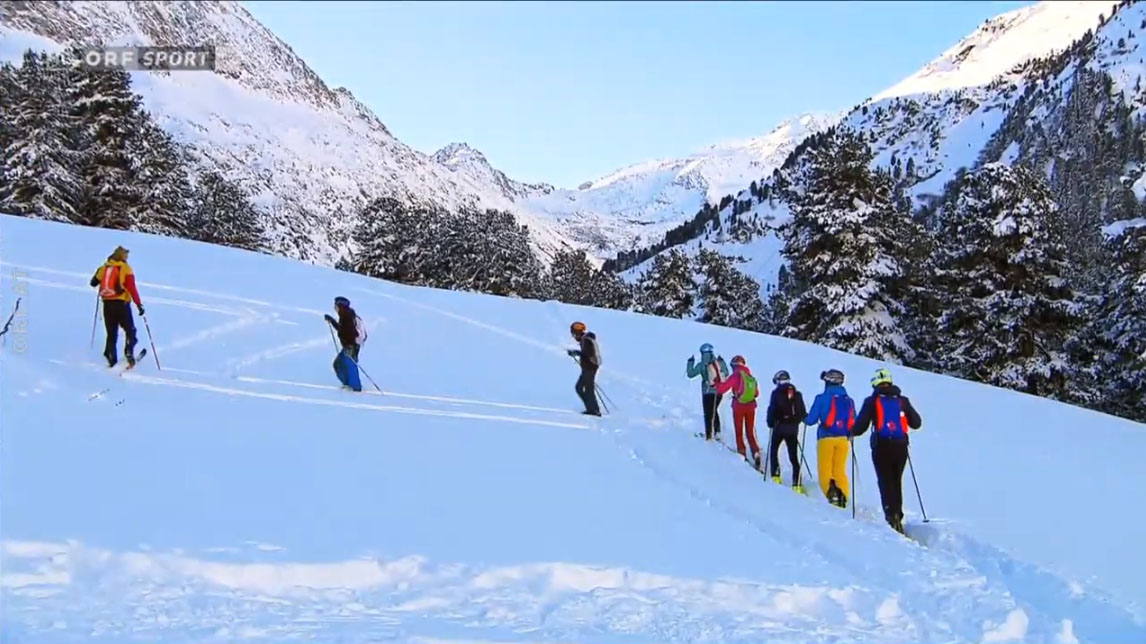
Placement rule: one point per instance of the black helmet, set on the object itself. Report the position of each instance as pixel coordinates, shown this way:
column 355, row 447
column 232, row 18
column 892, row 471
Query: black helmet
column 832, row 376
column 341, row 301
column 781, row 376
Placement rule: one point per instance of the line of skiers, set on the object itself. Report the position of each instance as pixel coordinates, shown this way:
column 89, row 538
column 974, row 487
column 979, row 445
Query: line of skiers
column 887, row 412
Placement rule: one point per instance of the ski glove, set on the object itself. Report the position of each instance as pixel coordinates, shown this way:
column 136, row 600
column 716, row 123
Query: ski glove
column 331, row 321
column 573, row 353
column 139, row 307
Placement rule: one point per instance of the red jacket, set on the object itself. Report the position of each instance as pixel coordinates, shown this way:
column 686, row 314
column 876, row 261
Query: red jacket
column 735, row 384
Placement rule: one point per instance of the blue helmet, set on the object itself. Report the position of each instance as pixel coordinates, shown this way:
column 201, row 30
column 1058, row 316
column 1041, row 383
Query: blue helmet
column 706, row 348
column 341, row 301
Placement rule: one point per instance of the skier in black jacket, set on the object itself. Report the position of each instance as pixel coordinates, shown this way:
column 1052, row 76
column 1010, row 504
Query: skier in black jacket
column 351, row 335
column 890, row 414
column 785, row 411
column 589, row 357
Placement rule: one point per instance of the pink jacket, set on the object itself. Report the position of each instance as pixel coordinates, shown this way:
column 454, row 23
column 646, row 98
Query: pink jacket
column 735, row 384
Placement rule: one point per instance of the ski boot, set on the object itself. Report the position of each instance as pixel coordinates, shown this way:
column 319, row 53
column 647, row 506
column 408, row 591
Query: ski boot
column 776, row 479
column 130, row 360
column 896, row 522
column 111, row 361
column 799, row 489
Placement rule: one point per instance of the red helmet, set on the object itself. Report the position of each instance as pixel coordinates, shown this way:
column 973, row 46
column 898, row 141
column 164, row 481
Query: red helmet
column 739, row 360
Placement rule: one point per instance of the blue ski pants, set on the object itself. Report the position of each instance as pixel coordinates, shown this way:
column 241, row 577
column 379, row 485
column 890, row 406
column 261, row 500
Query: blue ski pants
column 346, row 369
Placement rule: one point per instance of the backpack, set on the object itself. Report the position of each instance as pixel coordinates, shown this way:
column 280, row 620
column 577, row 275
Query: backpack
column 836, row 422
column 713, row 369
column 360, row 330
column 109, row 285
column 786, row 408
column 890, row 421
column 747, row 388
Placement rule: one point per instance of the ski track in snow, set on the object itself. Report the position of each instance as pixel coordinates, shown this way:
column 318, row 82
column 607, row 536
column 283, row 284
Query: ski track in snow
column 74, row 588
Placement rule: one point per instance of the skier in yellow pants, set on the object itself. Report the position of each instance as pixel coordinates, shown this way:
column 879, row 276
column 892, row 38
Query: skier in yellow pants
column 835, row 414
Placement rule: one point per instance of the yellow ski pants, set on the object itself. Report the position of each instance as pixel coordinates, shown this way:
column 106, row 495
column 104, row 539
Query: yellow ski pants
column 832, row 463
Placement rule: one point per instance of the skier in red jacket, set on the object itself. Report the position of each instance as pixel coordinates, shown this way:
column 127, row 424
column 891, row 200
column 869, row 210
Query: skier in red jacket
column 743, row 386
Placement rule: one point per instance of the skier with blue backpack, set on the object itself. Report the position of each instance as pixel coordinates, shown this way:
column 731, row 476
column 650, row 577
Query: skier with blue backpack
column 890, row 415
column 351, row 335
column 834, row 411
column 712, row 370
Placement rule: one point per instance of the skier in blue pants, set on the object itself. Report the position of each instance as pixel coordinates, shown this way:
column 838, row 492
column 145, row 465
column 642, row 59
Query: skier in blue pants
column 352, row 336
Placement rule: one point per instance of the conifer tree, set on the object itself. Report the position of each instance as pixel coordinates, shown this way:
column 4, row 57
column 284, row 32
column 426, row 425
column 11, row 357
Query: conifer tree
column 110, row 119
column 668, row 288
column 1001, row 276
column 1120, row 327
column 222, row 214
column 728, row 297
column 845, row 247
column 40, row 176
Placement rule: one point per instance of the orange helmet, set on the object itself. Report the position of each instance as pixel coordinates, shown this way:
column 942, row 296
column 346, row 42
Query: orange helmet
column 577, row 328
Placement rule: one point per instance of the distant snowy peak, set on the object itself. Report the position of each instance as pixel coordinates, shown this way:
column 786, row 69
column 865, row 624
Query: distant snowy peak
column 726, row 168
column 456, row 154
column 1003, row 43
column 464, row 159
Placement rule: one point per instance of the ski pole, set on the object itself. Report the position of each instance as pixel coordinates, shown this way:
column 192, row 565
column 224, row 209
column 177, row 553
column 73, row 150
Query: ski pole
column 917, row 494
column 803, row 459
column 854, row 481
column 95, row 316
column 365, row 374
column 600, row 394
column 153, row 351
column 768, row 458
column 9, row 322
column 332, row 338
column 604, row 396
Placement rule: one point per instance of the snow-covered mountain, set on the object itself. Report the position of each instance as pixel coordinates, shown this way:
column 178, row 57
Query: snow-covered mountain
column 312, row 155
column 636, row 205
column 1001, row 94
column 228, row 491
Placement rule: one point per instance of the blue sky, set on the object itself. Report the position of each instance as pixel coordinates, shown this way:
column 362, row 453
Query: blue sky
column 567, row 92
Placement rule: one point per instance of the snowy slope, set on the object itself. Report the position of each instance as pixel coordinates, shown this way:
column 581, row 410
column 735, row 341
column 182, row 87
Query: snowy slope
column 1001, row 44
column 237, row 494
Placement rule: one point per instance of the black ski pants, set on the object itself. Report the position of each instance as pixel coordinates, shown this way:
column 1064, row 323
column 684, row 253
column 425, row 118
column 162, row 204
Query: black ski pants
column 890, row 457
column 586, row 389
column 117, row 315
column 711, row 404
column 790, row 436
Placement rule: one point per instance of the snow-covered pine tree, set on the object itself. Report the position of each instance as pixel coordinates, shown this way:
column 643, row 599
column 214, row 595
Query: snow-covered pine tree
column 162, row 174
column 845, row 249
column 612, row 292
column 492, row 254
column 1121, row 329
column 11, row 93
column 727, row 297
column 570, row 278
column 110, row 118
column 41, row 168
column 1001, row 278
column 389, row 241
column 778, row 303
column 222, row 214
column 668, row 288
